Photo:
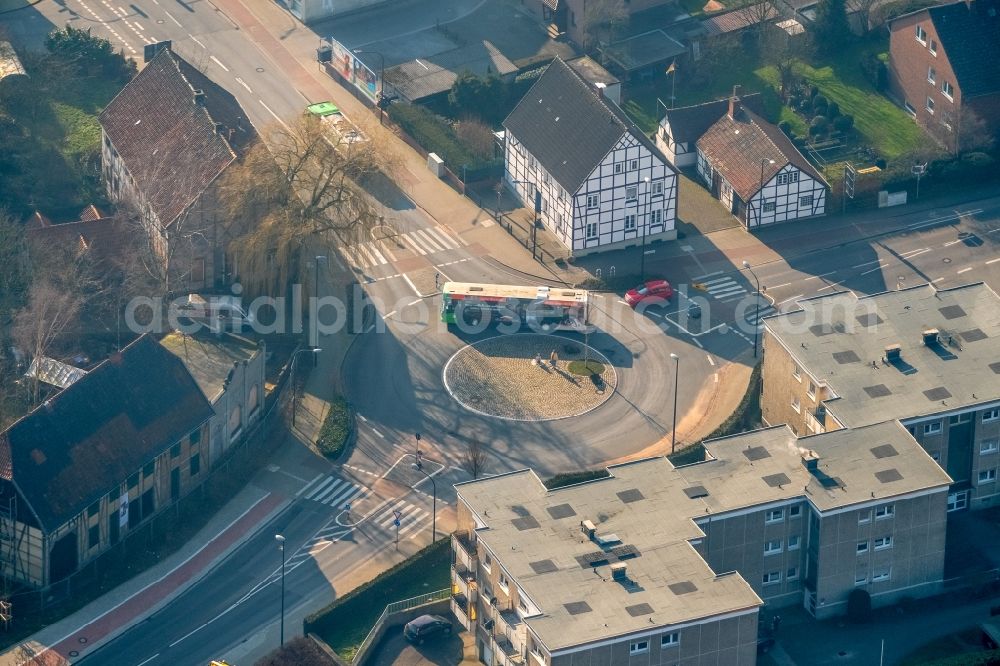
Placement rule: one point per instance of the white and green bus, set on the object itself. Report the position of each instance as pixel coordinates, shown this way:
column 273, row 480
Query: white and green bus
column 542, row 308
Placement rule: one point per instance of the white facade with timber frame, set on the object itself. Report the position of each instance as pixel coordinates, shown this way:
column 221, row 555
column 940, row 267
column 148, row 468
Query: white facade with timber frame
column 602, row 183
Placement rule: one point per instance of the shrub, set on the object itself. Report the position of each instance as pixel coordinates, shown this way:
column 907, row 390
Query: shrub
column 832, row 110
column 843, row 123
column 785, row 127
column 859, row 606
column 820, row 100
column 806, row 105
column 570, row 478
column 431, row 132
column 818, row 126
column 813, row 91
column 336, row 427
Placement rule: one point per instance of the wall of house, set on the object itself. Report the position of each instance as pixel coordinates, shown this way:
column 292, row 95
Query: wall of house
column 680, row 154
column 608, row 214
column 910, row 62
column 791, row 195
column 789, row 394
column 912, row 564
column 524, row 175
column 23, row 548
column 238, row 407
column 731, row 641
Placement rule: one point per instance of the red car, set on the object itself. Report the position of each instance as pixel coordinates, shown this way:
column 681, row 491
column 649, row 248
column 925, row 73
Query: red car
column 655, row 291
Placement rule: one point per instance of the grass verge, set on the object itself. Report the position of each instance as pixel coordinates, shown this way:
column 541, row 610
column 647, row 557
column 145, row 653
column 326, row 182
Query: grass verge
column 586, row 368
column 345, row 623
column 336, row 427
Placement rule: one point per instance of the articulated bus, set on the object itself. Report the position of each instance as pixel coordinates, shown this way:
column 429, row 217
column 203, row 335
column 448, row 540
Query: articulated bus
column 542, row 308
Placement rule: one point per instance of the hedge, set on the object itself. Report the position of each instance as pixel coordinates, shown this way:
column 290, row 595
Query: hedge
column 336, row 428
column 570, row 478
column 432, row 133
column 988, row 658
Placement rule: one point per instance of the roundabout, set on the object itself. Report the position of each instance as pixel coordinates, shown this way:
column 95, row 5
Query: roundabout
column 512, row 377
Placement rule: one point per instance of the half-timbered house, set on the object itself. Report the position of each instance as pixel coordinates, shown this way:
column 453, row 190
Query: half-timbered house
column 601, row 183
column 681, row 128
column 756, row 172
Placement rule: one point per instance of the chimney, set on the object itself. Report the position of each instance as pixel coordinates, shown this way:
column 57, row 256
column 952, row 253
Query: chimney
column 619, row 571
column 588, row 528
column 931, row 337
column 199, row 97
column 811, row 462
column 218, row 128
column 734, row 101
column 893, row 353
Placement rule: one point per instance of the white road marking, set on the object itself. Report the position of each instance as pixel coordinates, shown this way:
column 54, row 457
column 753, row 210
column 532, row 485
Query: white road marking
column 937, row 279
column 992, row 261
column 361, row 416
column 816, row 277
column 873, row 270
column 244, row 84
column 707, row 275
column 423, row 65
column 412, row 303
column 219, row 63
column 715, row 376
column 711, row 360
column 272, row 113
column 197, row 41
column 388, row 314
column 829, row 286
column 868, row 263
column 378, row 433
column 170, row 16
column 429, row 240
column 913, row 253
column 305, row 487
column 779, row 286
column 410, row 282
column 149, row 660
column 790, row 299
column 965, row 270
column 950, row 243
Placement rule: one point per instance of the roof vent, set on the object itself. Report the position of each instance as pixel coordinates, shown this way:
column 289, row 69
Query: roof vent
column 619, row 571
column 931, row 337
column 588, row 528
column 811, row 461
column 199, row 97
column 893, row 353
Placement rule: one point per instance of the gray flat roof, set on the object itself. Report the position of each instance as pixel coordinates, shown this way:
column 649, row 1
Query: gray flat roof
column 209, row 358
column 836, row 339
column 535, row 534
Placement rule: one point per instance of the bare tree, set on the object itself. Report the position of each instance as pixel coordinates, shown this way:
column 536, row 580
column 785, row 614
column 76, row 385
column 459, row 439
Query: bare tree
column 474, row 459
column 758, row 15
column 972, row 132
column 307, row 180
column 477, row 135
column 602, row 20
column 50, row 311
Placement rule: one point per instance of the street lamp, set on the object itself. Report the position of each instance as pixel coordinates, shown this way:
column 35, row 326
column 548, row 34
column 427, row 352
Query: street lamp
column 291, row 378
column 746, row 265
column 760, row 189
column 645, row 223
column 381, row 73
column 281, row 546
column 673, row 430
column 315, row 313
column 419, row 466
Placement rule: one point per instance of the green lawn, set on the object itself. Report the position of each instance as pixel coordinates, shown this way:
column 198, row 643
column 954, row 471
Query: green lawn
column 958, row 648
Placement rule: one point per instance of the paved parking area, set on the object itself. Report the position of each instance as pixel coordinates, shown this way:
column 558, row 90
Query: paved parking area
column 395, row 650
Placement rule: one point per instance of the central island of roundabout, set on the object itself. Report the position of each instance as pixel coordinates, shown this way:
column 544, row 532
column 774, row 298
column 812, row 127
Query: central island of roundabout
column 529, row 377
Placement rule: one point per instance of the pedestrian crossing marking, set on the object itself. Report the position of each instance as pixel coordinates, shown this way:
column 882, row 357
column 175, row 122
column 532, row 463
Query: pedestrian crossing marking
column 421, row 241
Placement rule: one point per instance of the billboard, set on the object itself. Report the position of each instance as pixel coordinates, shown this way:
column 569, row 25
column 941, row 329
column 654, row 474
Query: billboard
column 352, row 70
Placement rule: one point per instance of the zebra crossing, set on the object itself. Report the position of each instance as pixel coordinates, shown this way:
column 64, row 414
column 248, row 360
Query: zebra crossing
column 336, row 492
column 727, row 290
column 420, row 241
column 410, row 517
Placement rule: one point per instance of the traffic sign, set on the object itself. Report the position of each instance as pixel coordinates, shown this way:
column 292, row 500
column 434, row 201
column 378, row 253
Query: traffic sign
column 396, row 522
column 347, row 507
column 398, row 514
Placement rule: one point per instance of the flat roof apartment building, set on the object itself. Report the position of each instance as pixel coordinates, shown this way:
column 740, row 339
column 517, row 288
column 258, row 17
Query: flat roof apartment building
column 673, row 563
column 927, row 357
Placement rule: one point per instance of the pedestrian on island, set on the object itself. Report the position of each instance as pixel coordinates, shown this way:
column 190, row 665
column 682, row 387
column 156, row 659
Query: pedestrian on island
column 554, row 359
column 537, row 360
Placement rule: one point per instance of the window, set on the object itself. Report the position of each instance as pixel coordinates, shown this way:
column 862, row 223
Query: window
column 797, row 372
column 793, row 542
column 772, row 577
column 670, row 640
column 235, row 421
column 933, row 48
column 989, row 446
column 932, row 428
column 638, row 647
column 811, row 390
column 656, row 218
column 931, row 75
column 881, row 543
column 860, row 579
column 630, row 222
column 773, row 546
column 774, row 516
column 487, row 562
column 175, row 451
column 591, row 230
column 133, row 481
column 806, row 201
column 593, row 200
column 149, row 469
column 794, row 511
column 658, row 188
column 921, row 34
column 948, row 90
column 631, row 192
column 94, row 536
column 195, row 436
column 795, row 404
column 959, row 418
column 909, row 109
column 862, row 547
column 94, row 509
column 619, row 167
column 768, row 207
column 930, row 105
column 195, row 464
column 793, row 574
column 864, row 517
column 633, row 165
column 787, row 178
column 991, row 415
column 881, row 574
column 503, row 581
column 885, row 511
column 987, row 475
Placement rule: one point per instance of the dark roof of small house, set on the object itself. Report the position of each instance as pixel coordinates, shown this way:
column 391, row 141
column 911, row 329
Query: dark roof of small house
column 171, row 144
column 970, row 38
column 568, row 127
column 737, row 146
column 94, row 232
column 740, row 19
column 87, row 440
column 688, row 123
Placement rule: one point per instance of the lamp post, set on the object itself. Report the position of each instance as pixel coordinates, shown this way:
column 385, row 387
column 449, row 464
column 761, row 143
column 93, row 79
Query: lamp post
column 645, row 223
column 746, row 265
column 760, row 189
column 381, row 73
column 291, row 379
column 281, row 546
column 419, row 466
column 315, row 312
column 673, row 429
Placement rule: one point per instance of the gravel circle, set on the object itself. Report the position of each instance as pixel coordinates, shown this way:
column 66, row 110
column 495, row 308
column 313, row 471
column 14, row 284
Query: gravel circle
column 498, row 377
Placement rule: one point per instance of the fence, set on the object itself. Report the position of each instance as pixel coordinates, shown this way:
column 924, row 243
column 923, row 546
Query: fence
column 392, row 609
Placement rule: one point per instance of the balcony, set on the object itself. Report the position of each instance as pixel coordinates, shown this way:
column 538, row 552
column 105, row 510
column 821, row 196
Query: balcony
column 463, row 581
column 460, row 608
column 506, row 653
column 465, row 550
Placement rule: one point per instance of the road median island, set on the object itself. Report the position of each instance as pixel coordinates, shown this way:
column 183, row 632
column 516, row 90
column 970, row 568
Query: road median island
column 344, row 624
column 335, row 433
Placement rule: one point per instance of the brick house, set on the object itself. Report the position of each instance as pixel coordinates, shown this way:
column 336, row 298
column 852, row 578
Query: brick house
column 167, row 138
column 943, row 70
column 98, row 461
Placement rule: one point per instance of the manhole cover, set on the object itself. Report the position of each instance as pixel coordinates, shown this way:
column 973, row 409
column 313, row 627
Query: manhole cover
column 501, row 377
column 947, row 260
column 260, row 69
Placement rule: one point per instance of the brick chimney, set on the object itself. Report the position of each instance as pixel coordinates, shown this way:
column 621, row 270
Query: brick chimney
column 734, row 102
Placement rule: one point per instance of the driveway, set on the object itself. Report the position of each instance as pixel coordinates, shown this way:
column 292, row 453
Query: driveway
column 394, row 650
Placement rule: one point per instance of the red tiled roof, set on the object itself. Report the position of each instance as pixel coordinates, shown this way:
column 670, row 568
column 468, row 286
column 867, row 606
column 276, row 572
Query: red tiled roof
column 173, row 142
column 105, row 237
column 688, row 123
column 740, row 19
column 736, row 147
